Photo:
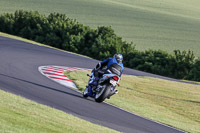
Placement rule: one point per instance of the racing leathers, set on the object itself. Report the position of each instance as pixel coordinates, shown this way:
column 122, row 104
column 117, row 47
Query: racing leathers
column 102, row 67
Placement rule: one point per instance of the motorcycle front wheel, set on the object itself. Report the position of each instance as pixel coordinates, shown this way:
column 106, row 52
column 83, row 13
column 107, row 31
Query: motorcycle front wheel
column 85, row 93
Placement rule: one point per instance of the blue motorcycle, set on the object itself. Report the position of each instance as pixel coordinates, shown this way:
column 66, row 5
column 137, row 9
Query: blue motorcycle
column 104, row 88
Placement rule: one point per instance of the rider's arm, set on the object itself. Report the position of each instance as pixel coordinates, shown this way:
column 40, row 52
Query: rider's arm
column 105, row 62
column 101, row 64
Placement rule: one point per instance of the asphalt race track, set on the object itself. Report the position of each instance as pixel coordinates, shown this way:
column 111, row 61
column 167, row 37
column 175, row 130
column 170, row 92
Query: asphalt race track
column 19, row 62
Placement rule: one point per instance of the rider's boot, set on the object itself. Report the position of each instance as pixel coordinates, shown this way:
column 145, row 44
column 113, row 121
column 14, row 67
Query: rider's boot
column 95, row 83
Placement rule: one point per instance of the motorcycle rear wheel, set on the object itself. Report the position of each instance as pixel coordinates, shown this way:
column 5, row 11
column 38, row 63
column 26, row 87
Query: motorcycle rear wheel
column 103, row 94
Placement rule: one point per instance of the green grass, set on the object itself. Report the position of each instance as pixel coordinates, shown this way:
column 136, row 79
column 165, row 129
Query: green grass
column 19, row 115
column 175, row 104
column 159, row 24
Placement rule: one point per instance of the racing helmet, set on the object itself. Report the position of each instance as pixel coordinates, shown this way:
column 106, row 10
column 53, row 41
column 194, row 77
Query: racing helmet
column 118, row 57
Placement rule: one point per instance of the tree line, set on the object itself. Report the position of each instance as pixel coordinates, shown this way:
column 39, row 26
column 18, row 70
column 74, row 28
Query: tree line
column 59, row 31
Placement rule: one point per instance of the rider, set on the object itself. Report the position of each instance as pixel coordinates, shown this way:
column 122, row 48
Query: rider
column 114, row 64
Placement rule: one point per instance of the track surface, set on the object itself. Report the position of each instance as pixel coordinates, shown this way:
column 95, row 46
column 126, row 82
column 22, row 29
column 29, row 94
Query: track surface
column 19, row 62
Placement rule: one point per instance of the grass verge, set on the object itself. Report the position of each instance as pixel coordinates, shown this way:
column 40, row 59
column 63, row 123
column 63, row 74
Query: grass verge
column 19, row 115
column 175, row 104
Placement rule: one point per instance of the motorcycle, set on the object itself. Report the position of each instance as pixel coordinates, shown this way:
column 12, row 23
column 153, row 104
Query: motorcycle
column 105, row 87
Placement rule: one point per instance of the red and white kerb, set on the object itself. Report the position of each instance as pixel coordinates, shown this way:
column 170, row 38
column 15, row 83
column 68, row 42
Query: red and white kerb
column 55, row 73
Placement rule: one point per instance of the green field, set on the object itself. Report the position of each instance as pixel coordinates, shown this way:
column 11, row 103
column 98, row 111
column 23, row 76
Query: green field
column 160, row 24
column 19, row 115
column 175, row 104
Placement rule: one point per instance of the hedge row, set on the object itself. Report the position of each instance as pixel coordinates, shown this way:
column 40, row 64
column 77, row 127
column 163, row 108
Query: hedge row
column 59, row 31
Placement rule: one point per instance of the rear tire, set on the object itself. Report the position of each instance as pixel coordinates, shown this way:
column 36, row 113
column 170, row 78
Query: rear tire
column 101, row 96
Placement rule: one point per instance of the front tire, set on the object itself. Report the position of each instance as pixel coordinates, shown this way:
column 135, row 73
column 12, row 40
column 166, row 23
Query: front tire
column 103, row 94
column 85, row 93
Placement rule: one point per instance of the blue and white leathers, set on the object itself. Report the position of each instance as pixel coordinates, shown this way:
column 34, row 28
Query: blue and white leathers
column 94, row 80
column 111, row 61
